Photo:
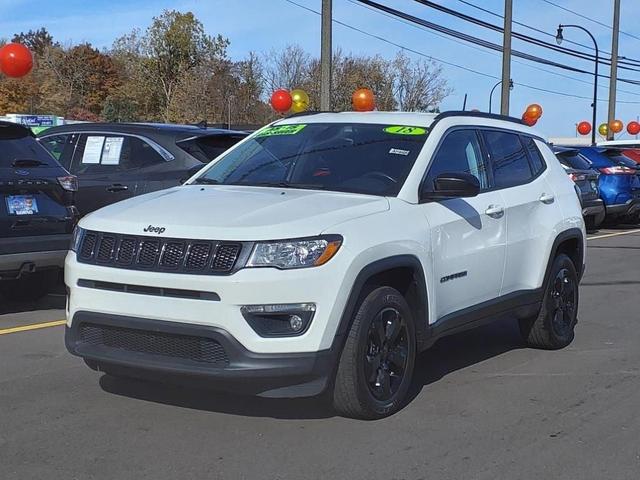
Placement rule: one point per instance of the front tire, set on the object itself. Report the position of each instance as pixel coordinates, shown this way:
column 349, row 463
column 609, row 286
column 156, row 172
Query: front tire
column 553, row 327
column 376, row 365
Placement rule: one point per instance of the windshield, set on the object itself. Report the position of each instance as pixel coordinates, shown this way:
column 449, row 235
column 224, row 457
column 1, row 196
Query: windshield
column 359, row 158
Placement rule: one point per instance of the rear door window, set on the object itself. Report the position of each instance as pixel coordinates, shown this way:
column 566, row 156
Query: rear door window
column 508, row 159
column 97, row 153
column 535, row 157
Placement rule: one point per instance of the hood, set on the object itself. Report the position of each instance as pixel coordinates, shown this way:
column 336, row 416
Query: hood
column 225, row 212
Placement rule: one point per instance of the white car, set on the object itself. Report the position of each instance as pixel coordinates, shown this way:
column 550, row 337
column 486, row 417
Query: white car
column 325, row 251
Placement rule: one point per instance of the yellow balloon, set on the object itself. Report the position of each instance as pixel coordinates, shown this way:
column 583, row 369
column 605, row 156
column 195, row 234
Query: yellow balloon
column 298, row 107
column 603, row 129
column 300, row 100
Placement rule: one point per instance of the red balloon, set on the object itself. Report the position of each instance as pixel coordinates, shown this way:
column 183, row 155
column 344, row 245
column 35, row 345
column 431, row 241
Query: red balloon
column 529, row 120
column 15, row 60
column 633, row 128
column 584, row 128
column 363, row 100
column 281, row 100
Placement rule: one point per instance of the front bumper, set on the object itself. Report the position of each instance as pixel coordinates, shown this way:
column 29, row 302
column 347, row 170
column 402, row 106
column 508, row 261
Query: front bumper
column 173, row 352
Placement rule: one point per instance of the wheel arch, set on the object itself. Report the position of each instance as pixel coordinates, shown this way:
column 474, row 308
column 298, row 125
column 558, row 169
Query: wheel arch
column 403, row 272
column 571, row 242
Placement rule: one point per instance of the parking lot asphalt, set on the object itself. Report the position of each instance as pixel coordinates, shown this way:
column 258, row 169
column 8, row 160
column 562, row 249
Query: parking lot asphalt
column 483, row 406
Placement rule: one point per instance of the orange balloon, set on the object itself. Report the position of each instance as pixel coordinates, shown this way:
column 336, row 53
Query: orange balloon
column 529, row 120
column 616, row 126
column 534, row 110
column 363, row 100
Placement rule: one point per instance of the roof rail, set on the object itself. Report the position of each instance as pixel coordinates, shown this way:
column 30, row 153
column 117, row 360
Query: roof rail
column 466, row 113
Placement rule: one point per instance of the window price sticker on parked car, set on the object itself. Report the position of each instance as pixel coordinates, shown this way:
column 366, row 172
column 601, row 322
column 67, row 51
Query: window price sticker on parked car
column 22, row 205
column 93, row 150
column 111, row 150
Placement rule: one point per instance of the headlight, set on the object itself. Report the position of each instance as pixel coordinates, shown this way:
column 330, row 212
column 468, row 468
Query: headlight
column 298, row 253
column 76, row 239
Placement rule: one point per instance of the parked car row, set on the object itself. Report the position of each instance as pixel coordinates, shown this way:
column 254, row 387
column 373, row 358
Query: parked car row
column 608, row 180
column 47, row 184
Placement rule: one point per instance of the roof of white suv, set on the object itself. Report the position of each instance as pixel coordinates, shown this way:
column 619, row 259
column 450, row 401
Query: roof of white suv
column 404, row 118
column 418, row 119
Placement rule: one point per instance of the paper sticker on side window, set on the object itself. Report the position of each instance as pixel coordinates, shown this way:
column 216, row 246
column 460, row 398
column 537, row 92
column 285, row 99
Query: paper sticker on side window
column 398, row 151
column 405, row 130
column 93, row 150
column 281, row 130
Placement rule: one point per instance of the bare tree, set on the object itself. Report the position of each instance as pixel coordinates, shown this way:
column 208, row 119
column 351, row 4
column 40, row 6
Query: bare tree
column 288, row 68
column 418, row 86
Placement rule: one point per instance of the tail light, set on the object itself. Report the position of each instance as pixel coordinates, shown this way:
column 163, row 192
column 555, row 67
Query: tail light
column 577, row 177
column 618, row 171
column 70, row 183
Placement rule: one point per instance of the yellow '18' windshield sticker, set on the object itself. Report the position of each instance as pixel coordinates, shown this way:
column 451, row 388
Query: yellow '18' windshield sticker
column 404, row 130
column 281, row 130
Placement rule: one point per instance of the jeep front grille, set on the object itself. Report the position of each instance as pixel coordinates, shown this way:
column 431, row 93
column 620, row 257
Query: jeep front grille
column 204, row 257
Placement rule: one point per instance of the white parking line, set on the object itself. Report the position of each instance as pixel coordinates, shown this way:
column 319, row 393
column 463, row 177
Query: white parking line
column 628, row 232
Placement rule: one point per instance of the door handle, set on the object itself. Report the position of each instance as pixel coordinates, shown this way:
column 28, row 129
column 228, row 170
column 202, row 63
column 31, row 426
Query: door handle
column 495, row 211
column 117, row 187
column 547, row 199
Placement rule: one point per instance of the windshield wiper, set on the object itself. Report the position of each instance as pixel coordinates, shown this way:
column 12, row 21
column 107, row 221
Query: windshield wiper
column 206, row 181
column 308, row 186
column 27, row 162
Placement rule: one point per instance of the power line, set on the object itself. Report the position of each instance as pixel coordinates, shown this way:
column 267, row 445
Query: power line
column 520, row 36
column 481, row 42
column 430, row 57
column 475, row 47
column 597, row 22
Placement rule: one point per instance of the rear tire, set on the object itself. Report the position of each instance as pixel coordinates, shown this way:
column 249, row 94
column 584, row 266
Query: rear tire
column 553, row 327
column 376, row 365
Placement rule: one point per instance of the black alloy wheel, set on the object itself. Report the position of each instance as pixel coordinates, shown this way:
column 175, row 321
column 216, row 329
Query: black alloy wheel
column 386, row 353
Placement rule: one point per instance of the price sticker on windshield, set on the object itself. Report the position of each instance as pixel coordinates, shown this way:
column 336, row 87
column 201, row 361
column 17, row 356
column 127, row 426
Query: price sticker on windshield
column 404, row 130
column 281, row 130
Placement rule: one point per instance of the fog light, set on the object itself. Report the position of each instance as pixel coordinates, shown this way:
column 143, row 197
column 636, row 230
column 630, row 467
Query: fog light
column 279, row 320
column 296, row 323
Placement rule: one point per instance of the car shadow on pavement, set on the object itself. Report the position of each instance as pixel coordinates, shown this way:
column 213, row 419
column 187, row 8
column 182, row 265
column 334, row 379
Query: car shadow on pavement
column 214, row 401
column 52, row 301
column 446, row 356
column 463, row 350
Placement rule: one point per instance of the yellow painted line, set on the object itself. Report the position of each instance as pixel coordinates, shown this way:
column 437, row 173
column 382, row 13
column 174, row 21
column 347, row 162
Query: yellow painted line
column 34, row 326
column 628, row 232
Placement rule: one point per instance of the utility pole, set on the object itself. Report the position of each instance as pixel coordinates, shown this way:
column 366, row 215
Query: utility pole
column 325, row 57
column 506, row 57
column 613, row 82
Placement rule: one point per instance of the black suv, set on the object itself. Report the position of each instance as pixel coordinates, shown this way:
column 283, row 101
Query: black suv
column 116, row 161
column 37, row 215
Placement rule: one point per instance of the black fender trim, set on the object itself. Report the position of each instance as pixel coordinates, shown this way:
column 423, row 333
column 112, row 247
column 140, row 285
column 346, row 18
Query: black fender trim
column 571, row 234
column 358, row 291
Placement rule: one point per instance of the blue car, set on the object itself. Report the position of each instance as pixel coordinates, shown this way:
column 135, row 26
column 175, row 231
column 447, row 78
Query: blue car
column 619, row 182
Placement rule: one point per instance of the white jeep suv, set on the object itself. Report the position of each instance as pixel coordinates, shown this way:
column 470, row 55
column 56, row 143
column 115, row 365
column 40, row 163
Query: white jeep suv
column 325, row 251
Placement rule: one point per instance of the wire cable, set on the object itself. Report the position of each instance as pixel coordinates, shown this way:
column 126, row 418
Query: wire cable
column 432, row 58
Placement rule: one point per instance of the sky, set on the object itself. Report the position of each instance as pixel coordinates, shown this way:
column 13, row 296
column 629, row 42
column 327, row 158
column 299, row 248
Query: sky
column 264, row 25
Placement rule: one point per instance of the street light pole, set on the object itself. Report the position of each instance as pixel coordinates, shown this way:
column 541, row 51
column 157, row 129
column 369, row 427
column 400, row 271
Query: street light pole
column 594, row 105
column 496, row 86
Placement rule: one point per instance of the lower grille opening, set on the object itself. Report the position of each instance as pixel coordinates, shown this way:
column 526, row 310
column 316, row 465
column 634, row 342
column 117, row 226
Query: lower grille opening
column 196, row 349
column 146, row 290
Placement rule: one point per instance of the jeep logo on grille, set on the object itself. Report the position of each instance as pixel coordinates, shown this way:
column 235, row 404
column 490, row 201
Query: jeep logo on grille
column 152, row 229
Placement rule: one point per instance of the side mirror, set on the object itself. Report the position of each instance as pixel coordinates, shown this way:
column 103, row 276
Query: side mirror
column 451, row 185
